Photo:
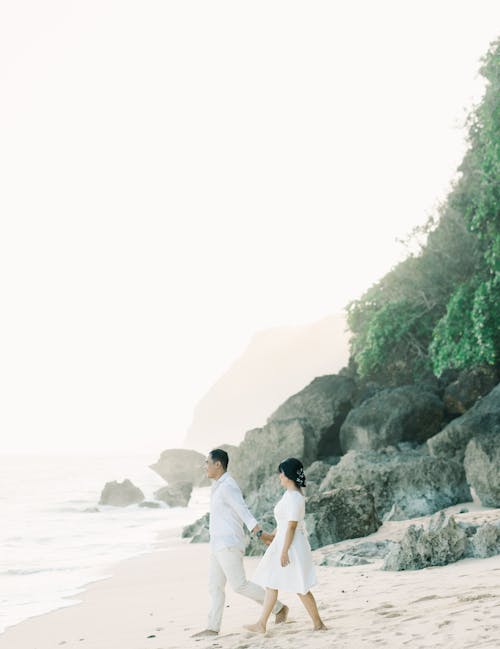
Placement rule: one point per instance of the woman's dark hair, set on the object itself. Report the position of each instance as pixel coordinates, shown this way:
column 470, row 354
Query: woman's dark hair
column 294, row 470
column 218, row 455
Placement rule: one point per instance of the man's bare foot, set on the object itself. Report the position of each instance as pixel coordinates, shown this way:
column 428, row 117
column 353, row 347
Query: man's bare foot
column 320, row 627
column 205, row 633
column 282, row 615
column 255, row 628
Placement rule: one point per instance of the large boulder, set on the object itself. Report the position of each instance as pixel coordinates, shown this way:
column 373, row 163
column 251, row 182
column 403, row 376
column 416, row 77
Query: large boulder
column 470, row 385
column 177, row 495
column 306, row 426
column 323, row 404
column 339, row 514
column 482, row 467
column 442, row 543
column 262, row 450
column 416, row 482
column 121, row 494
column 181, row 465
column 405, row 414
column 484, row 416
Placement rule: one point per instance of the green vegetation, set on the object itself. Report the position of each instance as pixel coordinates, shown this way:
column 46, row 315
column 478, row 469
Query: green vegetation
column 440, row 308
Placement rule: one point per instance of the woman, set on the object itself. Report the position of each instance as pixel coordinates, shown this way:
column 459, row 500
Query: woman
column 287, row 563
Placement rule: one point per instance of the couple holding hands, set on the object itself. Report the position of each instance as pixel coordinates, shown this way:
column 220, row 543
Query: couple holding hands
column 287, row 563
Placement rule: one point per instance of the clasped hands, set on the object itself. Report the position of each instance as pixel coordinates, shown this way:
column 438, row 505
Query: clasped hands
column 266, row 538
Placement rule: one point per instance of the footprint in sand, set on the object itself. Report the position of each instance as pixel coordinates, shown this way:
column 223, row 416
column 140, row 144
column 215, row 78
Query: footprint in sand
column 444, row 623
column 425, row 599
column 382, row 606
column 474, row 598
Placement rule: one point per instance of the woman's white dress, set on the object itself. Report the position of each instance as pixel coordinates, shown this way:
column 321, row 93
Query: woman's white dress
column 299, row 575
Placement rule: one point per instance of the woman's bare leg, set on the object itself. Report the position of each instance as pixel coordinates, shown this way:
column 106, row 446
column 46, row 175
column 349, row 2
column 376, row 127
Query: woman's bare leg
column 267, row 607
column 311, row 607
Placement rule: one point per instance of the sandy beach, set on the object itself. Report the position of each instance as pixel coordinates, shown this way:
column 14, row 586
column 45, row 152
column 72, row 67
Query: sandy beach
column 158, row 600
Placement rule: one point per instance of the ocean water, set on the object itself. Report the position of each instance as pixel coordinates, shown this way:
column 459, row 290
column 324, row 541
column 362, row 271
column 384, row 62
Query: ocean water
column 51, row 546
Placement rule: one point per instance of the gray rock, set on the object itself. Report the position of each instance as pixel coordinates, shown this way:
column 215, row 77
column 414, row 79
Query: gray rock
column 318, row 470
column 149, row 504
column 306, row 426
column 485, row 542
column 358, row 554
column 262, row 501
column 181, row 465
column 260, row 453
column 442, row 543
column 404, row 414
column 484, row 416
column 323, row 404
column 339, row 514
column 121, row 494
column 177, row 495
column 414, row 481
column 445, row 541
column 482, row 467
column 198, row 531
column 469, row 386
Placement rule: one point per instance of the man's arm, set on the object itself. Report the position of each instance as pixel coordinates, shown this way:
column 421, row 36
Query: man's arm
column 234, row 498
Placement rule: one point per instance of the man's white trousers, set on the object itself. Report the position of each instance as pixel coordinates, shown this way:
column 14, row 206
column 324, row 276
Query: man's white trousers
column 227, row 565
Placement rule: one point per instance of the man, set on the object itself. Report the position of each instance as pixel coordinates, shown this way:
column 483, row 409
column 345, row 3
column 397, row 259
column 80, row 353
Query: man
column 228, row 513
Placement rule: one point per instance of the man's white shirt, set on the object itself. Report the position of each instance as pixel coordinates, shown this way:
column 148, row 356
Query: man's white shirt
column 228, row 511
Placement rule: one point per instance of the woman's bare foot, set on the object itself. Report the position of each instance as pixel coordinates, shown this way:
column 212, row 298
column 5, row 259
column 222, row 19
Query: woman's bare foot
column 320, row 627
column 255, row 628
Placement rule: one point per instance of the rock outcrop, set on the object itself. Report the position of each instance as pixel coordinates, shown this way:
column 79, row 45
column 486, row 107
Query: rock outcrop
column 405, row 414
column 468, row 387
column 358, row 554
column 121, row 494
column 177, row 495
column 339, row 514
column 262, row 450
column 306, row 426
column 482, row 467
column 484, row 416
column 445, row 541
column 485, row 542
column 324, row 405
column 416, row 482
column 181, row 465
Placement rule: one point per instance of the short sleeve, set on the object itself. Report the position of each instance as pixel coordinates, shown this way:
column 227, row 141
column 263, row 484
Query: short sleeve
column 295, row 507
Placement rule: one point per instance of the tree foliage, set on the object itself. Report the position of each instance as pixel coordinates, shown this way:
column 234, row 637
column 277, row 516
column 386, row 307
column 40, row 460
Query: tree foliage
column 440, row 308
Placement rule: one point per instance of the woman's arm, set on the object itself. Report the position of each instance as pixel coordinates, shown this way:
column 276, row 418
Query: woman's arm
column 290, row 532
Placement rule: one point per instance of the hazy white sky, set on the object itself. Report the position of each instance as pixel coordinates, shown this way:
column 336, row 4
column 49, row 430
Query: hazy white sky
column 177, row 175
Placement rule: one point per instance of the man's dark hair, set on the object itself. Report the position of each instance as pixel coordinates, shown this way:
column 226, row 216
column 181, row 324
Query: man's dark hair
column 218, row 455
